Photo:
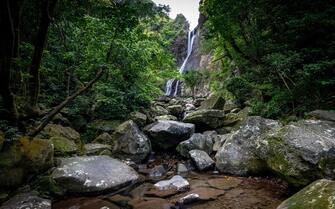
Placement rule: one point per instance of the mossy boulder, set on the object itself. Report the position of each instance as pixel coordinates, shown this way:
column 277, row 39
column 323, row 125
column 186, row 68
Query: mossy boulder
column 215, row 101
column 139, row 118
column 302, row 151
column 239, row 153
column 24, row 157
column 98, row 149
column 205, row 119
column 322, row 115
column 56, row 130
column 175, row 110
column 318, row 195
column 104, row 138
column 64, row 146
column 165, row 117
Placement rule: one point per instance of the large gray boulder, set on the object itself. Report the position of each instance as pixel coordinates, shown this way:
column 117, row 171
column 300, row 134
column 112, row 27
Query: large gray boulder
column 130, row 142
column 301, row 152
column 93, row 174
column 197, row 141
column 206, row 119
column 239, row 154
column 27, row 201
column 167, row 134
column 201, row 159
column 319, row 194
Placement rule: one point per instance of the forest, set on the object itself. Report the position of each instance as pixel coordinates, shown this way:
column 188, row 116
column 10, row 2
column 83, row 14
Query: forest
column 116, row 104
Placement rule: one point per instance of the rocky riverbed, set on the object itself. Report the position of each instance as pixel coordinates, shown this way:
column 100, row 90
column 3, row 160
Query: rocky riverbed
column 185, row 153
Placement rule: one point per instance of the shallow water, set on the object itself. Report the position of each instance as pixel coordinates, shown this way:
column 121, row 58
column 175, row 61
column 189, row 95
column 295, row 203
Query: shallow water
column 215, row 191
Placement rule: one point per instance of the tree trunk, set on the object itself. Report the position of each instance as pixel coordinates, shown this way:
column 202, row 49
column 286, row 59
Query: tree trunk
column 9, row 24
column 47, row 9
column 46, row 119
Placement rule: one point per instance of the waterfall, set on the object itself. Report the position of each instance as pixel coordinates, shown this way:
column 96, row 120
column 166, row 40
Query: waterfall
column 190, row 42
column 173, row 86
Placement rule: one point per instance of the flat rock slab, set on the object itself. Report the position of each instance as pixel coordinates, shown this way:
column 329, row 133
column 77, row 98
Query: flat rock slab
column 177, row 182
column 25, row 201
column 93, row 174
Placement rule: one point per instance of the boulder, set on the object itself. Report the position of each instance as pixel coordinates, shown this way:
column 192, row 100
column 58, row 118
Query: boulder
column 220, row 140
column 206, row 119
column 319, row 194
column 322, row 115
column 104, row 138
column 93, row 174
column 98, row 149
column 63, row 146
column 175, row 110
column 201, row 159
column 130, row 142
column 197, row 141
column 165, row 117
column 301, row 152
column 176, row 182
column 239, row 154
column 27, row 201
column 157, row 110
column 198, row 101
column 139, row 118
column 52, row 130
column 22, row 158
column 181, row 168
column 158, row 171
column 230, row 105
column 214, row 101
column 167, row 134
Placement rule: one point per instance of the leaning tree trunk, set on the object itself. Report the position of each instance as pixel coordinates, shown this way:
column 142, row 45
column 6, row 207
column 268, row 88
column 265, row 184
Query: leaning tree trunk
column 47, row 9
column 9, row 24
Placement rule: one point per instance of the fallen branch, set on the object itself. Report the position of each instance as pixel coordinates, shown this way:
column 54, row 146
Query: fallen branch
column 46, row 119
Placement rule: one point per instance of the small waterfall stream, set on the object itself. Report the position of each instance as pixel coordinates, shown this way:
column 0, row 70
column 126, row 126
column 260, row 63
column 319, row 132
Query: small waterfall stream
column 173, row 86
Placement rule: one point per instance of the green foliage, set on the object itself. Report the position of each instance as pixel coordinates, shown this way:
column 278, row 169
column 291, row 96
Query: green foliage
column 284, row 50
column 130, row 40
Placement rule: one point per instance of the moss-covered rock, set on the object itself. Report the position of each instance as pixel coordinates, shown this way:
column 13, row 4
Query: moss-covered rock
column 215, row 101
column 63, row 146
column 318, row 195
column 98, row 149
column 206, row 119
column 139, row 118
column 175, row 110
column 52, row 130
column 104, row 138
column 24, row 157
column 101, row 126
column 165, row 117
column 302, row 152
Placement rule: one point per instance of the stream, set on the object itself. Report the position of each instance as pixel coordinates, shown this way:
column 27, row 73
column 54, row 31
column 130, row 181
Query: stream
column 209, row 190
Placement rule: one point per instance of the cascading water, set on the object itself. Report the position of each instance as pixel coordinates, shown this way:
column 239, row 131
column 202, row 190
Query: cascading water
column 173, row 86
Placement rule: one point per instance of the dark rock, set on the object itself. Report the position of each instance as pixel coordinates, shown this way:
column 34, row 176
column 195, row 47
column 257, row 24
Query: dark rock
column 27, row 201
column 167, row 134
column 201, row 159
column 157, row 172
column 93, row 174
column 197, row 141
column 130, row 142
column 22, row 158
column 175, row 110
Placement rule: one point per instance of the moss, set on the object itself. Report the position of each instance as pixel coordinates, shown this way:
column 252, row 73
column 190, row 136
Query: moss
column 63, row 145
column 319, row 194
